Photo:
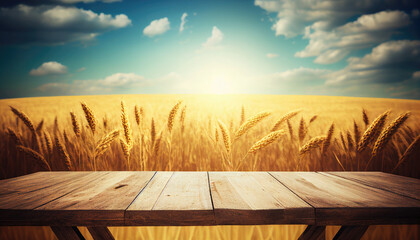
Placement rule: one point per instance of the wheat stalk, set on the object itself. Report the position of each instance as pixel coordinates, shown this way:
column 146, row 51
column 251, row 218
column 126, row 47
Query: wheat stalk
column 48, row 143
column 25, row 119
column 156, row 145
column 356, row 133
column 387, row 134
column 251, row 122
column 137, row 114
column 289, row 126
column 312, row 144
column 103, row 145
column 152, row 132
column 182, row 118
column 284, row 118
column 225, row 136
column 40, row 160
column 62, row 153
column 90, row 118
column 126, row 126
column 172, row 115
column 302, row 130
column 370, row 133
column 40, row 126
column 270, row 138
column 350, row 142
column 75, row 124
column 327, row 141
column 412, row 148
column 365, row 117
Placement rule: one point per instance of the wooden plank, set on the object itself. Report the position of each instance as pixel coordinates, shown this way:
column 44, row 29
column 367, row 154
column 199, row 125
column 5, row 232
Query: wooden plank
column 173, row 199
column 409, row 187
column 313, row 233
column 339, row 201
column 100, row 202
column 38, row 189
column 256, row 198
column 350, row 232
column 66, row 233
column 100, row 233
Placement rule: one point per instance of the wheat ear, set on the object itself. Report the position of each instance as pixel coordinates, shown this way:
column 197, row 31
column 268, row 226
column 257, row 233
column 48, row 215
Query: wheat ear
column 40, row 126
column 284, row 118
column 242, row 115
column 326, row 144
column 40, row 160
column 15, row 136
column 251, row 122
column 90, row 118
column 365, row 117
column 225, row 136
column 387, row 134
column 103, row 145
column 265, row 141
column 356, row 132
column 312, row 144
column 64, row 156
column 370, row 133
column 25, row 119
column 75, row 124
column 172, row 114
column 302, row 130
column 126, row 125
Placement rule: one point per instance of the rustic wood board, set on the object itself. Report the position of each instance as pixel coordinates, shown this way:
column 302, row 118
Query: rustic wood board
column 339, row 201
column 102, row 201
column 174, row 199
column 409, row 187
column 256, row 198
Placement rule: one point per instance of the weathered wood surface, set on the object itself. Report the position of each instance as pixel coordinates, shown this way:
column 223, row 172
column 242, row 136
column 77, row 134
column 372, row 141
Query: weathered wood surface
column 256, row 198
column 98, row 199
column 409, row 187
column 173, row 198
column 339, row 201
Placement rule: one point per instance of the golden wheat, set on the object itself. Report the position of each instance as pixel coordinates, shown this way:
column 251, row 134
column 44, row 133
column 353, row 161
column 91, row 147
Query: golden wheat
column 152, row 132
column 251, row 122
column 172, row 115
column 242, row 115
column 48, row 143
column 265, row 141
column 312, row 144
column 373, row 129
column 302, row 130
column 387, row 134
column 62, row 153
column 225, row 136
column 137, row 114
column 126, row 126
column 327, row 141
column 40, row 126
column 356, row 133
column 25, row 119
column 289, row 126
column 313, row 118
column 284, row 118
column 126, row 149
column 90, row 118
column 40, row 160
column 75, row 124
column 103, row 145
column 365, row 117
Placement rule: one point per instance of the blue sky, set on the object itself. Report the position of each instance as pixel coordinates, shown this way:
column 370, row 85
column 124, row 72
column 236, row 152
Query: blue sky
column 80, row 47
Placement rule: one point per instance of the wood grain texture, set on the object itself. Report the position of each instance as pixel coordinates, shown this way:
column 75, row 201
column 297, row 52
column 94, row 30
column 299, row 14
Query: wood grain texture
column 338, row 201
column 66, row 233
column 100, row 233
column 409, row 187
column 313, row 233
column 174, row 199
column 256, row 198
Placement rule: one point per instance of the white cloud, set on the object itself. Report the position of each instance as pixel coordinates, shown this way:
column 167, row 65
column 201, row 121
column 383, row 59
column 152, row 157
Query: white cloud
column 49, row 68
column 294, row 15
column 272, row 55
column 48, row 24
column 367, row 30
column 157, row 27
column 215, row 38
column 183, row 21
column 81, row 69
column 390, row 62
column 111, row 84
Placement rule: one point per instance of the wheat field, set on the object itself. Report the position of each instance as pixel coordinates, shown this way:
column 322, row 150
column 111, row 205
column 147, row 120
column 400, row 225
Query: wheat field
column 210, row 133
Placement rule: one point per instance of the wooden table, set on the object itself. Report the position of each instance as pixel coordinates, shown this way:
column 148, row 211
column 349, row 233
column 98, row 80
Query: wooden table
column 65, row 200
